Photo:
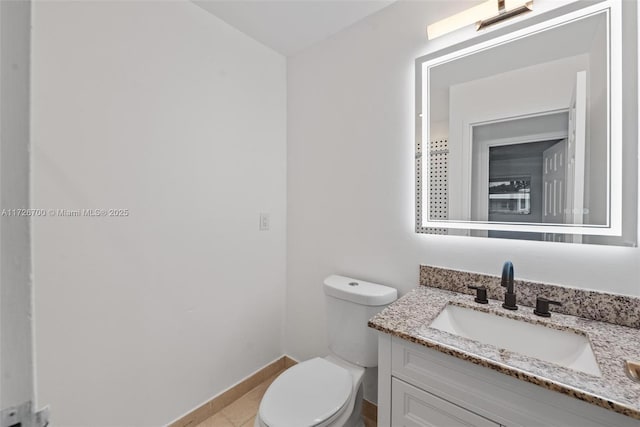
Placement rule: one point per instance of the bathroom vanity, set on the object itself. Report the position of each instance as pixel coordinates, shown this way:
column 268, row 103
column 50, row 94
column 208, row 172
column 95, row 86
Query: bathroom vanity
column 430, row 377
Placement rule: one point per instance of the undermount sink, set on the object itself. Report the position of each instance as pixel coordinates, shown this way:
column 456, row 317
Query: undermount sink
column 564, row 348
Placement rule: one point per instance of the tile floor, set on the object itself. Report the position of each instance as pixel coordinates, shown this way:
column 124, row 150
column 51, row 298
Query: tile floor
column 242, row 412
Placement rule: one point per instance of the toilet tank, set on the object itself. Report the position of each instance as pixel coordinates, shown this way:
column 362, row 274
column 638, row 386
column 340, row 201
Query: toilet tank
column 350, row 305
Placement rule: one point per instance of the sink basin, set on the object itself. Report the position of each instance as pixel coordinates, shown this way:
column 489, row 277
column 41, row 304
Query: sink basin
column 564, row 348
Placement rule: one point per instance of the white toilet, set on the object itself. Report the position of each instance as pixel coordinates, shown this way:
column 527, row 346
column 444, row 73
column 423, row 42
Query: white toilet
column 328, row 391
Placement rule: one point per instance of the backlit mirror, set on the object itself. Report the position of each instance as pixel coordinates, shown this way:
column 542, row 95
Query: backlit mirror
column 520, row 135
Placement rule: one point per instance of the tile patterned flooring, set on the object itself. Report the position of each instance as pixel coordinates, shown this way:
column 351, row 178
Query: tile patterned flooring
column 242, row 412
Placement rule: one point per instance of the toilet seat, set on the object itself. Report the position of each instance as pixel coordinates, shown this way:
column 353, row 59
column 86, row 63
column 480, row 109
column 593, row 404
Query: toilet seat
column 309, row 394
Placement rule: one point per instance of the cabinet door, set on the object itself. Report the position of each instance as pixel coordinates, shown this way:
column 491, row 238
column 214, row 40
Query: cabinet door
column 412, row 407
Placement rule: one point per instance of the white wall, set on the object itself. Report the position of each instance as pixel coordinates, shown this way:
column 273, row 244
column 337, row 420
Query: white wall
column 162, row 109
column 351, row 179
column 16, row 362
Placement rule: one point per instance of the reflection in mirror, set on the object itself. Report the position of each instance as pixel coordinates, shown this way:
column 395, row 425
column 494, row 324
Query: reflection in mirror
column 525, row 108
column 517, row 135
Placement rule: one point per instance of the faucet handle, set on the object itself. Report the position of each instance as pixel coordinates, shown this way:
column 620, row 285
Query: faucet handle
column 481, row 294
column 542, row 306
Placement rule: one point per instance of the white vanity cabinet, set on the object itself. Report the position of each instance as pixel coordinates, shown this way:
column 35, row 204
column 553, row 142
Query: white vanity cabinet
column 420, row 386
column 414, row 407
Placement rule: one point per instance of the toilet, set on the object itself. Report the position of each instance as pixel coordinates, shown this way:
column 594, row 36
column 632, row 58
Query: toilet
column 327, row 391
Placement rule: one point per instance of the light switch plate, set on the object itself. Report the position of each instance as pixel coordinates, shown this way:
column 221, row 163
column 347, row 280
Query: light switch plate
column 265, row 221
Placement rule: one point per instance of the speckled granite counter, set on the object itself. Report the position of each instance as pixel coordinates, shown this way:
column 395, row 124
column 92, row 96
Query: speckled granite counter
column 409, row 317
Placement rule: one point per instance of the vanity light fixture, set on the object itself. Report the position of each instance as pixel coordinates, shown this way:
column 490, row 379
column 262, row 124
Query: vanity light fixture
column 485, row 14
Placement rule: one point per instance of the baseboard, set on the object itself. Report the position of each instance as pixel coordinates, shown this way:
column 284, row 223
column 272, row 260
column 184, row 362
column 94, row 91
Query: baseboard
column 370, row 411
column 289, row 362
column 217, row 403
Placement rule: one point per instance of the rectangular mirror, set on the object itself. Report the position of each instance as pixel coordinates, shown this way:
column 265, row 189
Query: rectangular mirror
column 520, row 134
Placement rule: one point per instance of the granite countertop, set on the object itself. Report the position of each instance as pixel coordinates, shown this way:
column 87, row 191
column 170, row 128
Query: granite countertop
column 409, row 317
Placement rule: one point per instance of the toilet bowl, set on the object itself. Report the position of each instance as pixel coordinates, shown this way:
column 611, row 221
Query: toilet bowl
column 328, row 392
column 320, row 392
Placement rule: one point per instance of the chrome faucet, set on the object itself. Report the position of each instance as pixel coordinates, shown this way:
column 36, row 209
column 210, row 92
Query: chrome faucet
column 507, row 282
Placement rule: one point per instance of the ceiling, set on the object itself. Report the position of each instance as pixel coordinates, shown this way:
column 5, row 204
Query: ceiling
column 293, row 25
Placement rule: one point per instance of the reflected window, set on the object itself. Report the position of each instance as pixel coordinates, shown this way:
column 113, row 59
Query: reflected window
column 510, row 195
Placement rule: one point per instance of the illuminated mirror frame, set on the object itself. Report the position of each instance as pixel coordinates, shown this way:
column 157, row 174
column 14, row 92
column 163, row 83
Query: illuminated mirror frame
column 554, row 19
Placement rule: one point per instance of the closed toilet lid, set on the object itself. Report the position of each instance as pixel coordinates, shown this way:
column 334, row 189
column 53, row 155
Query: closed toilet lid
column 307, row 394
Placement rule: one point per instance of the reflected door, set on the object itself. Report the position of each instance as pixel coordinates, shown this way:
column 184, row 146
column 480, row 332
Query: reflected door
column 564, row 168
column 576, row 149
column 554, row 173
